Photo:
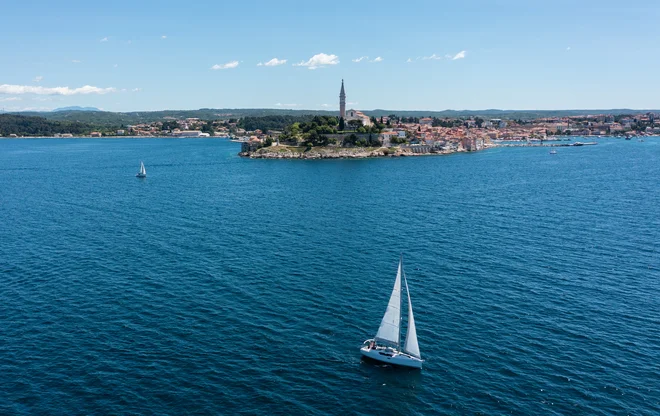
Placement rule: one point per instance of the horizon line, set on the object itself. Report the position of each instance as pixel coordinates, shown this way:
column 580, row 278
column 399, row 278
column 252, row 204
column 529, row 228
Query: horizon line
column 64, row 109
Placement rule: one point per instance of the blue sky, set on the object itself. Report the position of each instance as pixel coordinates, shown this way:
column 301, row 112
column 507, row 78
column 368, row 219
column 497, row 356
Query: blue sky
column 419, row 55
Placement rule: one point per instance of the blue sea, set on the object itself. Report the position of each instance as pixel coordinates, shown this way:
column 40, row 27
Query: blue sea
column 222, row 285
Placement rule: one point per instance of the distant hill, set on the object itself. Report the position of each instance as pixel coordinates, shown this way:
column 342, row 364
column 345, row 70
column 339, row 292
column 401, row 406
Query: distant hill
column 76, row 108
column 39, row 126
column 108, row 119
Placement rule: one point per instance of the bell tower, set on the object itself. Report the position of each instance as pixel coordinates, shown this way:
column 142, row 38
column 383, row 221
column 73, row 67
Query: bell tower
column 342, row 101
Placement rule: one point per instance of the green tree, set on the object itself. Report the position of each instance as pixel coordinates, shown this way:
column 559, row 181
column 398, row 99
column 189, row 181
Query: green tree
column 208, row 128
column 170, row 125
column 350, row 140
column 342, row 124
column 355, row 123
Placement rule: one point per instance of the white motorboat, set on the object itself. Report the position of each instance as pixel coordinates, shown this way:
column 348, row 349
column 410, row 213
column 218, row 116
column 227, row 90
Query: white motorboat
column 143, row 172
column 553, row 152
column 386, row 346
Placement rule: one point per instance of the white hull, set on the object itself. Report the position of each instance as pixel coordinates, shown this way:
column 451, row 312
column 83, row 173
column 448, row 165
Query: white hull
column 391, row 357
column 140, row 175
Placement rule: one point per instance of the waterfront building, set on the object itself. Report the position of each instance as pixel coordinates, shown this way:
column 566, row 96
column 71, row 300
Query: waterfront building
column 189, row 133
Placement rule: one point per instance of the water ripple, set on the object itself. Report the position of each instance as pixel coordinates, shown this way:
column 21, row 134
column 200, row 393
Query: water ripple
column 220, row 285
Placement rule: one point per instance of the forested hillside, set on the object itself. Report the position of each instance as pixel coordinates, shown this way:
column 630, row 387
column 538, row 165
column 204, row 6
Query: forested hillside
column 39, row 126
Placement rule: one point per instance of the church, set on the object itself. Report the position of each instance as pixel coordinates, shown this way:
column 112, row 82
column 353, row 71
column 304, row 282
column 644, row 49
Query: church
column 350, row 114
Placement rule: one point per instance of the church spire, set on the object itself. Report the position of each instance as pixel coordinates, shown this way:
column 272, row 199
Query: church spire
column 342, row 101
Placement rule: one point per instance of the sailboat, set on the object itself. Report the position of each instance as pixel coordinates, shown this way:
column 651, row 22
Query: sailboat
column 386, row 346
column 143, row 172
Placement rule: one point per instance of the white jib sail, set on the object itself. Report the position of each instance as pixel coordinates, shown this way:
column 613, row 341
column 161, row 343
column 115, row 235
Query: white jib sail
column 143, row 171
column 389, row 326
column 411, row 346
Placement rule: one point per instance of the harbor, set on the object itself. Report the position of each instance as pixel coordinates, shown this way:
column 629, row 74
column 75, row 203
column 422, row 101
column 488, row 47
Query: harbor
column 527, row 144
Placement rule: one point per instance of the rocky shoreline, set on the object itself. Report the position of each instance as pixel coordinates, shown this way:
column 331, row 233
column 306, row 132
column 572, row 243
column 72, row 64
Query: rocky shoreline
column 281, row 152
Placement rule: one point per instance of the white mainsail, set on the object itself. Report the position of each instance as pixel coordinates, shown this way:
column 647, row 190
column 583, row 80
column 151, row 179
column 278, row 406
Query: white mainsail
column 411, row 346
column 389, row 326
column 143, row 171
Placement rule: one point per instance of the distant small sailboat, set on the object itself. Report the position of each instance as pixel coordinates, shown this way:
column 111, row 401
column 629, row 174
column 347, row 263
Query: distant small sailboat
column 386, row 346
column 143, row 172
column 553, row 152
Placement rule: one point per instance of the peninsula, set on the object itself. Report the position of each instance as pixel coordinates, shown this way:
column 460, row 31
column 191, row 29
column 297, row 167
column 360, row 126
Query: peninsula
column 354, row 134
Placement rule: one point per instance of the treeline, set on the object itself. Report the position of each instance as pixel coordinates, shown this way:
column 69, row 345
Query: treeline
column 112, row 119
column 107, row 118
column 275, row 122
column 39, row 126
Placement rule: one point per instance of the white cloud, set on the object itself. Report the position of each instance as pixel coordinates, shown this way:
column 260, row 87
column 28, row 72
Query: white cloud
column 16, row 109
column 76, row 61
column 459, row 55
column 136, row 89
column 286, row 105
column 105, row 39
column 377, row 59
column 568, row 49
column 360, row 59
column 351, row 103
column 228, row 65
column 29, row 89
column 38, row 78
column 325, row 105
column 319, row 61
column 409, row 60
column 164, row 37
column 2, row 100
column 433, row 57
column 115, row 66
column 273, row 62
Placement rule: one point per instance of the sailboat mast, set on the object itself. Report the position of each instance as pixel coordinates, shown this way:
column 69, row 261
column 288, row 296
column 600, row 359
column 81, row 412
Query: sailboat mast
column 400, row 315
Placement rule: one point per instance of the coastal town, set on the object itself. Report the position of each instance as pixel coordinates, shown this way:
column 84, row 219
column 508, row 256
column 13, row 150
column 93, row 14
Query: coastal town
column 356, row 133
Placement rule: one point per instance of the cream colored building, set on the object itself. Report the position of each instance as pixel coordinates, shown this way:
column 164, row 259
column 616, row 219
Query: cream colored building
column 357, row 115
